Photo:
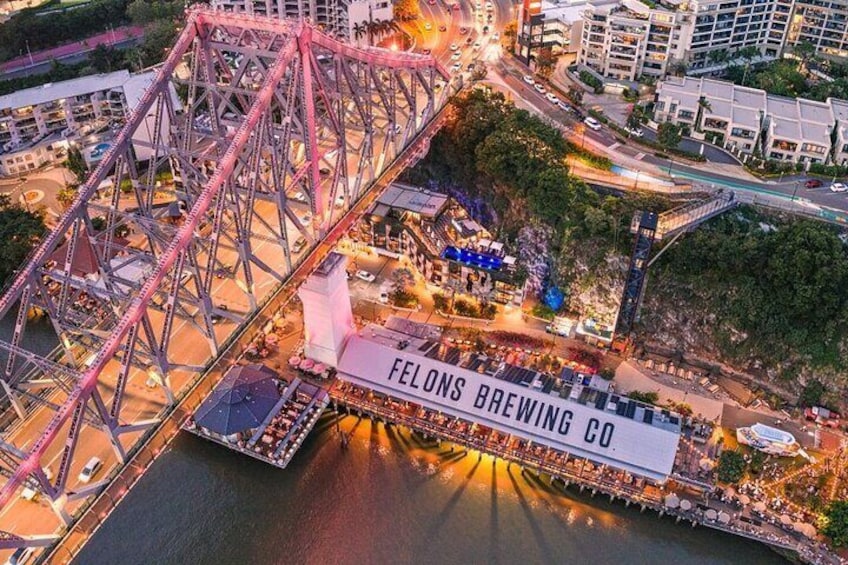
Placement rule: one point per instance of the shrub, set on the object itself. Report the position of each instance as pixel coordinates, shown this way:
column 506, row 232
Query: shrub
column 543, row 311
column 592, row 81
column 731, row 467
column 440, row 302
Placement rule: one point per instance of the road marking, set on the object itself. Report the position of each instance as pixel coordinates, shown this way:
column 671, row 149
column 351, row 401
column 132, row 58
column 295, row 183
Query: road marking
column 639, row 156
column 615, row 145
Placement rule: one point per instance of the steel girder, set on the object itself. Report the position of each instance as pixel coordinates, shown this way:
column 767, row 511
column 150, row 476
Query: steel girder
column 272, row 132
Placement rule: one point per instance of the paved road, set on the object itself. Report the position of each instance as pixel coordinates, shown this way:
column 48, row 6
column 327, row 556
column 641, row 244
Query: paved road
column 25, row 64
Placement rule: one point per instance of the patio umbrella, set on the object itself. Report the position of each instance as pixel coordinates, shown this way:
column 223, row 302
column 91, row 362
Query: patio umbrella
column 672, row 500
column 724, row 517
column 271, row 339
column 711, row 514
column 294, row 360
column 318, row 368
column 307, row 364
column 760, row 506
column 745, row 499
column 685, row 505
column 785, row 519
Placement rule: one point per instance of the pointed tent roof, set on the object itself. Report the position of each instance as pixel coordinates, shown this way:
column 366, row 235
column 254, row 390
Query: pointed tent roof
column 84, row 261
column 241, row 401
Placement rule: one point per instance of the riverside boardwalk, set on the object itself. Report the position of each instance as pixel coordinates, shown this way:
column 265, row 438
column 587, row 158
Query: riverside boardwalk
column 683, row 502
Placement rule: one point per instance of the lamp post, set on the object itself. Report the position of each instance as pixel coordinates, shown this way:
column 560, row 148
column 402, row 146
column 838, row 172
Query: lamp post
column 795, row 191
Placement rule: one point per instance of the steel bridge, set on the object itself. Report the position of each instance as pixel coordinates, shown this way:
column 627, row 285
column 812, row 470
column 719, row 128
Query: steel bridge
column 272, row 131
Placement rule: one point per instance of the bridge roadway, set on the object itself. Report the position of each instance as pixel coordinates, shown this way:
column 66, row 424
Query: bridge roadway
column 98, row 445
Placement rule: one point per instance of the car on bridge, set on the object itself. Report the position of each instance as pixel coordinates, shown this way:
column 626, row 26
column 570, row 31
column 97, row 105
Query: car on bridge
column 90, row 470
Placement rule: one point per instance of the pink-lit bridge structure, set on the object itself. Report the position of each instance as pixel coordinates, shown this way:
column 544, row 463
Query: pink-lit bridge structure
column 271, row 131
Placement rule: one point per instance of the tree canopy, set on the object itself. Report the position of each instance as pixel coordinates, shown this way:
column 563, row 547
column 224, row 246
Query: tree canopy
column 20, row 231
column 836, row 523
column 731, row 466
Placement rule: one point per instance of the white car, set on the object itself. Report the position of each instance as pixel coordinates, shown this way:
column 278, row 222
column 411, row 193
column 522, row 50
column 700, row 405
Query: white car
column 20, row 556
column 496, row 37
column 635, row 132
column 299, row 196
column 563, row 106
column 552, row 98
column 454, row 47
column 456, row 67
column 476, row 45
column 838, row 187
column 528, row 79
column 457, row 55
column 91, row 468
column 592, row 123
column 305, row 219
column 539, row 88
column 340, row 201
column 365, row 276
column 384, row 297
column 428, row 26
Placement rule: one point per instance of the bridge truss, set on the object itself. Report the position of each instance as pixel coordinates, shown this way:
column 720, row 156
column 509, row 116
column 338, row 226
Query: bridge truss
column 271, row 130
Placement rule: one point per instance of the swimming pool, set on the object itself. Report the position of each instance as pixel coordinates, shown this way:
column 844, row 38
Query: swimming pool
column 473, row 258
column 100, row 149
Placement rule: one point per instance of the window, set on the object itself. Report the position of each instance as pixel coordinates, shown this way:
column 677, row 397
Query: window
column 743, row 133
column 686, row 115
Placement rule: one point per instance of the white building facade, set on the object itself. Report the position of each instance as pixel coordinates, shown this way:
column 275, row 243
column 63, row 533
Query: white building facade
column 749, row 120
column 336, row 17
column 37, row 124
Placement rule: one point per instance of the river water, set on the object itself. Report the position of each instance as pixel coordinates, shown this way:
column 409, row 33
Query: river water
column 387, row 498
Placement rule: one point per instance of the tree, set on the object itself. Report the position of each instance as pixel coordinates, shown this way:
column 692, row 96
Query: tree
column 406, row 10
column 805, row 51
column 747, row 54
column 731, row 467
column 649, row 397
column 678, row 68
column 637, row 117
column 575, row 95
column 718, row 56
column 669, row 135
column 105, row 59
column 158, row 39
column 20, row 231
column 402, row 280
column 812, row 393
column 510, row 33
column 360, row 30
column 545, row 62
column 76, row 163
column 835, row 523
column 703, row 106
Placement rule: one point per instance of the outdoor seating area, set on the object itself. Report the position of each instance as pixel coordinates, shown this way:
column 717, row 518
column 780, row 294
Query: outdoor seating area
column 254, row 411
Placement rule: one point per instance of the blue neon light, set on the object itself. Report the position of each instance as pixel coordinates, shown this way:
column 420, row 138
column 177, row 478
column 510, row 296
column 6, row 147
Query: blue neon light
column 473, row 258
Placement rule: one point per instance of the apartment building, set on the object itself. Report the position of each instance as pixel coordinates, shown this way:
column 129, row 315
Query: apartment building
column 554, row 25
column 336, row 17
column 627, row 39
column 36, row 124
column 732, row 25
column 749, row 120
column 823, row 23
